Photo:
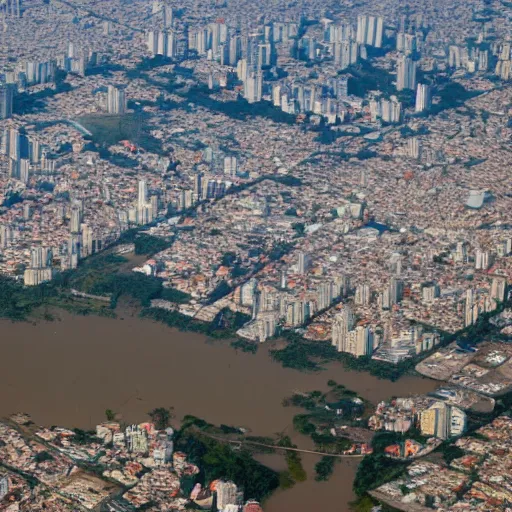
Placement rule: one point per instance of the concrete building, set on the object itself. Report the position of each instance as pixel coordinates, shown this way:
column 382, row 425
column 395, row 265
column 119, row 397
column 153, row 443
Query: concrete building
column 423, row 98
column 6, row 100
column 405, row 73
column 226, row 494
column 442, row 421
column 116, row 100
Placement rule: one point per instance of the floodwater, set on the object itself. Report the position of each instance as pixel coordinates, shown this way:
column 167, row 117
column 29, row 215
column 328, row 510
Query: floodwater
column 68, row 372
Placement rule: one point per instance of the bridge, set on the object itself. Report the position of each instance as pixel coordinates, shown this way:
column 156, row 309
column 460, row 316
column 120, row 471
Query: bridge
column 283, row 448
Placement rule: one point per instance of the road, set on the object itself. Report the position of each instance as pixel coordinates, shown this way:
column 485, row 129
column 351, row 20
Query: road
column 96, row 15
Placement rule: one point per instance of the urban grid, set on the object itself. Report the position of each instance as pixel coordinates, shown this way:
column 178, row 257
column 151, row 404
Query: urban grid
column 337, row 174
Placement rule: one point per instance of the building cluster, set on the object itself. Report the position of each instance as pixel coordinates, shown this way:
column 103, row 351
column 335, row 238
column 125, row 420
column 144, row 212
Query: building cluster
column 410, row 449
column 486, row 370
column 117, row 469
column 479, row 480
column 432, row 417
column 372, row 237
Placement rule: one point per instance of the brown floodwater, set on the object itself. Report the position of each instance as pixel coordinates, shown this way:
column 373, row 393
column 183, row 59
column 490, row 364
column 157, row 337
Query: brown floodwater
column 68, row 372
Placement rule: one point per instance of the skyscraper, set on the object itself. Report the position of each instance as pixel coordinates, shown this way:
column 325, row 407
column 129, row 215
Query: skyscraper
column 498, row 288
column 147, row 207
column 423, row 98
column 469, row 309
column 235, row 49
column 116, row 100
column 40, row 257
column 303, row 262
column 168, row 16
column 253, row 87
column 6, row 100
column 413, row 147
column 482, row 259
column 4, row 486
column 369, row 30
column 142, row 197
column 406, row 43
column 362, row 296
column 342, row 324
column 14, row 144
column 230, row 165
column 6, row 236
column 75, row 219
column 390, row 110
column 171, row 45
column 406, row 73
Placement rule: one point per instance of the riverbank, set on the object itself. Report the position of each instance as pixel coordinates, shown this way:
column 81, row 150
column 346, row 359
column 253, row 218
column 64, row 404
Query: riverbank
column 69, row 371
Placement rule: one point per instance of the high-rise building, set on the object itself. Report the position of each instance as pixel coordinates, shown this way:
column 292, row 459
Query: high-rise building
column 201, row 41
column 303, row 262
column 346, row 53
column 396, row 290
column 230, row 165
column 469, row 310
column 136, row 439
column 498, row 288
column 6, row 100
column 40, row 270
column 454, row 57
column 40, row 257
column 265, row 54
column 405, row 43
column 13, row 144
column 116, row 100
column 142, row 197
column 483, row 60
column 370, row 30
column 342, row 324
column 87, row 241
column 76, row 219
column 35, row 151
column 460, row 254
column 226, row 494
column 429, row 293
column 6, row 236
column 406, row 73
column 390, row 110
column 168, row 16
column 235, row 49
column 10, row 8
column 482, row 260
column 413, row 147
column 4, row 486
column 23, row 170
column 362, row 295
column 253, row 87
column 423, row 98
column 146, row 209
column 363, row 178
column 171, row 46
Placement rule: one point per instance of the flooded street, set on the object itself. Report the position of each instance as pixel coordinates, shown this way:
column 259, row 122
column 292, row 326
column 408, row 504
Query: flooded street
column 69, row 372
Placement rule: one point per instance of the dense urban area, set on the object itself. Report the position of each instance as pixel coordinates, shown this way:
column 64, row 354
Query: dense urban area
column 332, row 176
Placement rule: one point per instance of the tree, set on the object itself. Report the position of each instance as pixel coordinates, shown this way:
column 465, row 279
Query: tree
column 324, row 468
column 110, row 415
column 161, row 417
